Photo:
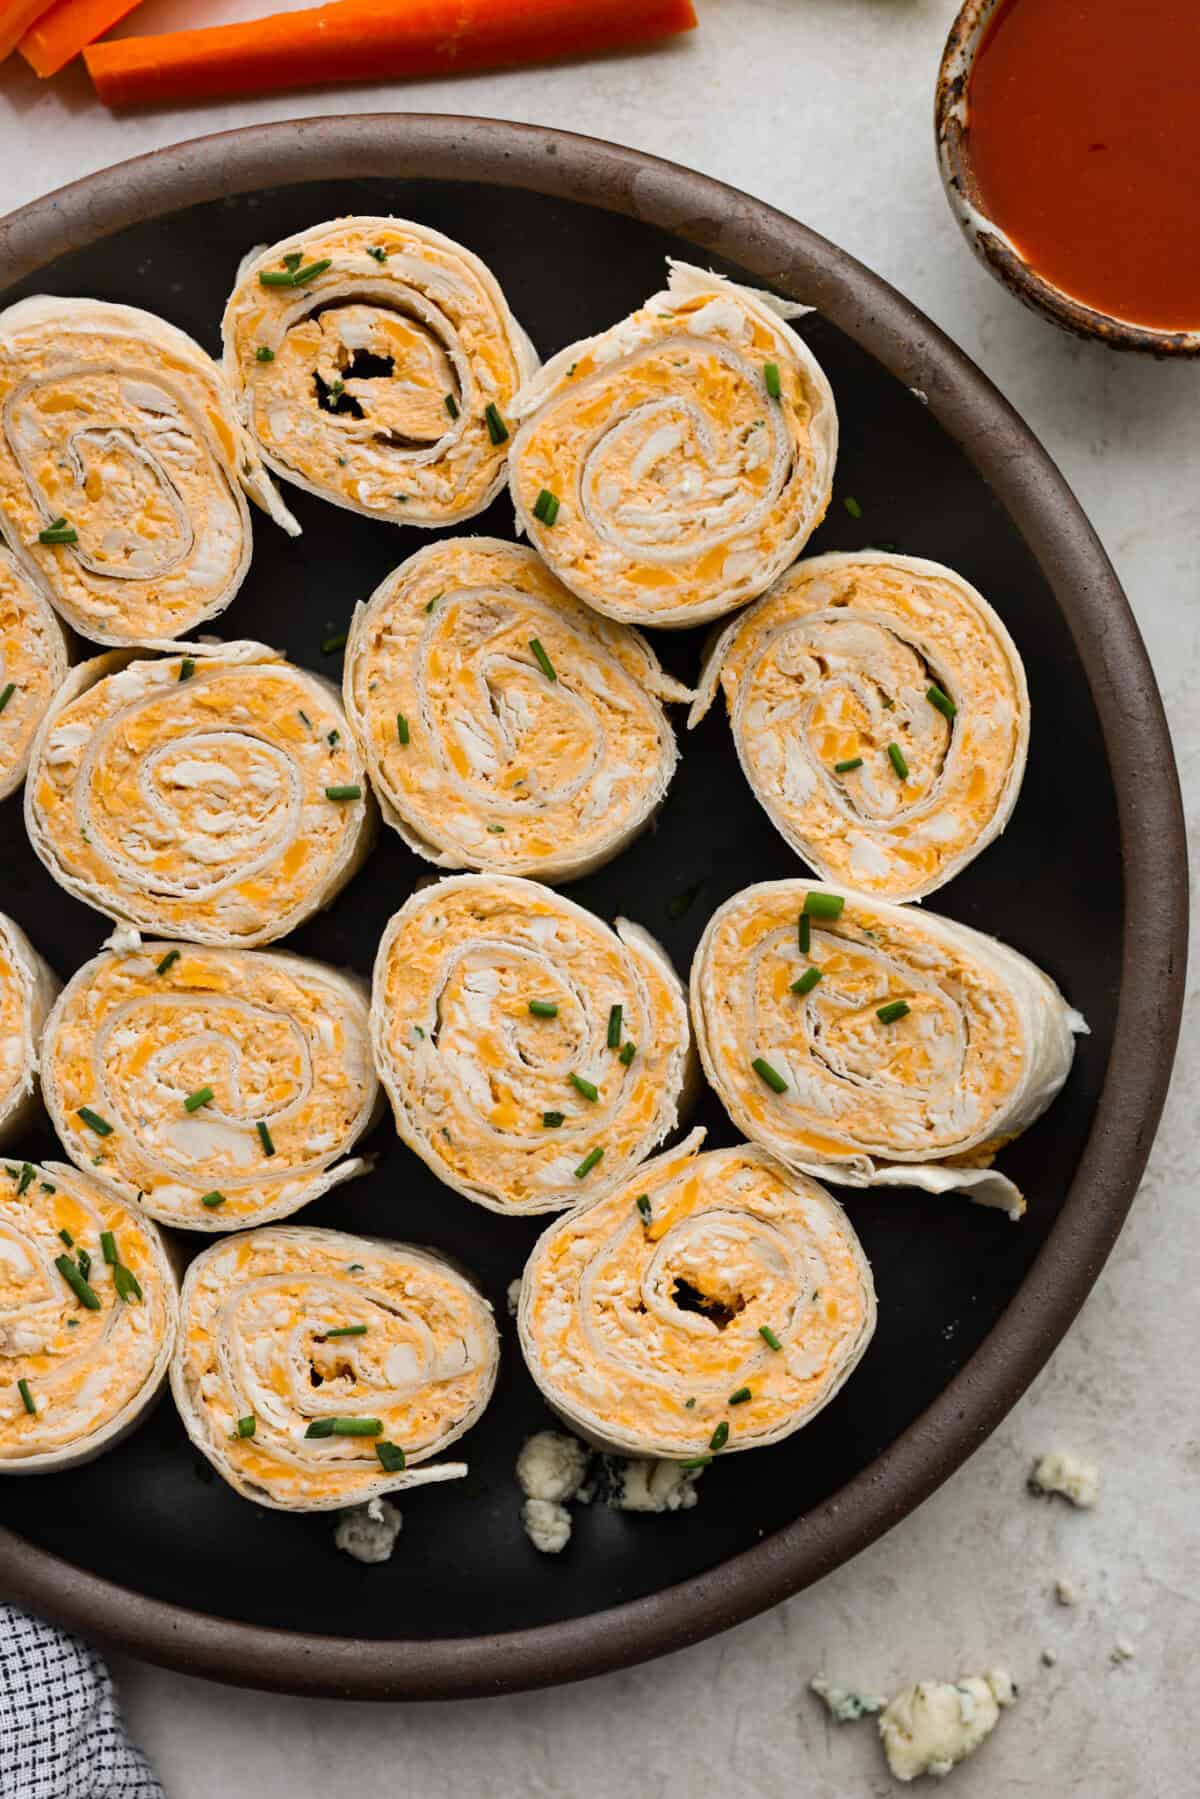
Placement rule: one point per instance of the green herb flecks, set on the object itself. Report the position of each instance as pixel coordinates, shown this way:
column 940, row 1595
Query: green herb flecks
column 94, row 1121
column 895, row 1009
column 588, row 1163
column 771, row 1076
column 545, row 507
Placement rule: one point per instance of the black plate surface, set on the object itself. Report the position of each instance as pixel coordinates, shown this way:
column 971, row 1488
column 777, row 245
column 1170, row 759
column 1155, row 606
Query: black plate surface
column 153, row 1518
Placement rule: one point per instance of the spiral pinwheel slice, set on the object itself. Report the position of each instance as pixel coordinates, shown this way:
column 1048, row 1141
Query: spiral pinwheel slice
column 230, row 1084
column 215, row 796
column 880, row 713
column 375, row 363
column 504, row 725
column 874, row 1044
column 123, row 469
column 671, row 467
column 27, row 990
column 710, row 1303
column 33, row 665
column 316, row 1369
column 533, row 1056
column 89, row 1304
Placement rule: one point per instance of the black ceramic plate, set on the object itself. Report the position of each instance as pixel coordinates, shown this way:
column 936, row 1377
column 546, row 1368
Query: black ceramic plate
column 949, row 474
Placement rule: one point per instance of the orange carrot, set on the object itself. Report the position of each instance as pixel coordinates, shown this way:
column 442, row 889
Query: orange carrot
column 60, row 34
column 365, row 40
column 16, row 16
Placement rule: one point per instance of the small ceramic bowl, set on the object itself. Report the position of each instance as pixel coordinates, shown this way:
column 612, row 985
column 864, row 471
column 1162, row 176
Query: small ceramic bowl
column 996, row 251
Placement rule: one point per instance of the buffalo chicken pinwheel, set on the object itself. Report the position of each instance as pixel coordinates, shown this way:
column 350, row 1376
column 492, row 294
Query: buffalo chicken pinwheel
column 27, row 990
column 880, row 713
column 874, row 1044
column 216, row 1088
column 504, row 725
column 318, row 1370
column 123, row 469
column 89, row 1304
column 710, row 1303
column 33, row 665
column 215, row 796
column 533, row 1056
column 671, row 467
column 375, row 363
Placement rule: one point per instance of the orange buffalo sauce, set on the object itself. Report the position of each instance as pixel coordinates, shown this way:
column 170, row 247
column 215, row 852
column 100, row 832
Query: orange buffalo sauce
column 1083, row 128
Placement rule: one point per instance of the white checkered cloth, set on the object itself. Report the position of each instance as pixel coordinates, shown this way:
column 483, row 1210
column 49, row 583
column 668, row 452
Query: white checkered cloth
column 61, row 1735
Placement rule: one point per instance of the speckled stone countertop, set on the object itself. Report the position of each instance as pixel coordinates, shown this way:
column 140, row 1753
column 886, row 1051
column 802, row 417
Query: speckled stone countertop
column 823, row 107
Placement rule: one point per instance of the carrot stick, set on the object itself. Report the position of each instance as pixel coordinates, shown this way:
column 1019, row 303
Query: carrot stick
column 61, row 33
column 365, row 40
column 16, row 16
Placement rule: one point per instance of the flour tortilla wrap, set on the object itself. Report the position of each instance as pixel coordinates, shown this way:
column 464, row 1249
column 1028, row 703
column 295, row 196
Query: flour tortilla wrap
column 93, row 1355
column 213, row 795
column 33, row 665
column 690, row 450
column 382, row 381
column 485, row 756
column 642, row 1314
column 27, row 989
column 527, row 1110
column 259, row 1340
column 118, row 428
column 974, row 1043
column 277, row 1043
column 846, row 660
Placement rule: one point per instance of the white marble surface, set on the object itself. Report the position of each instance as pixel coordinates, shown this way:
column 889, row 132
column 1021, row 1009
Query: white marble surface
column 823, row 107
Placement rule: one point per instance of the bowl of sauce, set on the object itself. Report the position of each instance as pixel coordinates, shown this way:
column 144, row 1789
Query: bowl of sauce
column 1068, row 136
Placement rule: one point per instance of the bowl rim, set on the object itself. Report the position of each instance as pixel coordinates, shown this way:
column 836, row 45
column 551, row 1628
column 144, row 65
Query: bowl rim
column 987, row 238
column 795, row 260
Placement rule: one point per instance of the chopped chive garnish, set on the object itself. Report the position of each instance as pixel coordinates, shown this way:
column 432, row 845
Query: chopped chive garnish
column 100, row 1125
column 7, row 694
column 807, row 981
column 169, row 960
column 26, row 1396
column 77, row 1283
column 896, row 1008
column 642, row 1202
column 690, row 1404
column 85, row 1264
column 768, row 1336
column 804, row 933
column 246, row 1427
column 311, row 271
column 187, row 668
column 125, row 1281
column 941, row 701
column 59, row 531
column 67, row 1238
column 697, row 1461
column 771, row 377
column 552, row 1120
column 896, row 758
column 203, row 1096
column 264, row 353
column 108, row 1248
column 852, row 506
column 350, row 792
column 46, row 1187
column 585, row 1087
column 451, row 405
column 391, row 1457
column 720, row 1436
column 320, row 1427
column 614, row 1027
column 545, row 507
column 588, row 1163
column 26, row 1179
column 627, row 1054
column 212, row 1200
column 345, row 1427
column 346, row 1330
column 293, row 275
column 824, row 905
column 264, row 1137
column 543, row 1008
column 305, row 720
column 72, row 1324
column 332, row 739
column 771, row 1076
column 354, row 1268
column 293, row 259
column 741, row 1396
column 433, row 602
column 336, row 641
column 495, row 830
column 844, row 768
column 377, row 251
column 402, row 728
column 497, row 429
column 543, row 661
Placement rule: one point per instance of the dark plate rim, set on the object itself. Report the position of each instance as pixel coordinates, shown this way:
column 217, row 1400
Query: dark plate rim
column 787, row 256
